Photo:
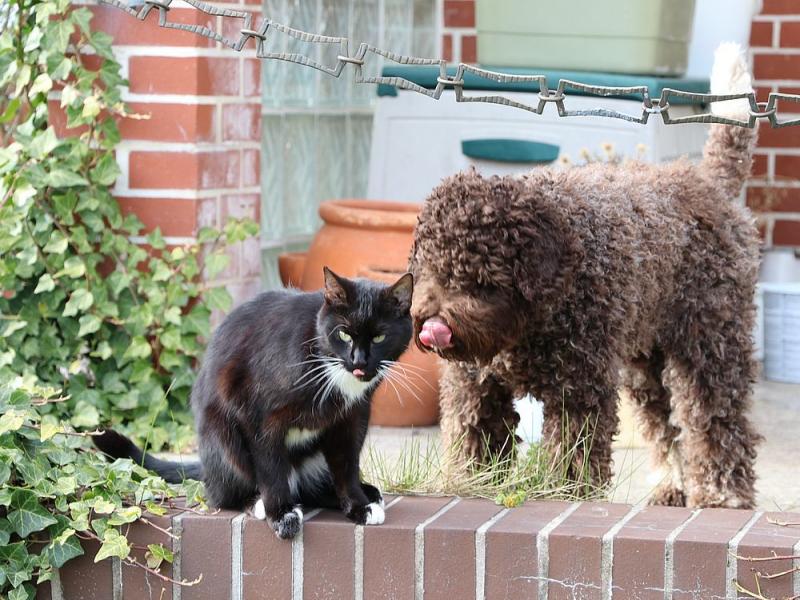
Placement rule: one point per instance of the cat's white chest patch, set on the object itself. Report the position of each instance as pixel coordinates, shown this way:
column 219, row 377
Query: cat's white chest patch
column 297, row 436
column 350, row 386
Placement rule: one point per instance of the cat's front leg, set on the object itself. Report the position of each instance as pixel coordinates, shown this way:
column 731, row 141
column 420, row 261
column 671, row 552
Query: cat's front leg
column 273, row 470
column 361, row 503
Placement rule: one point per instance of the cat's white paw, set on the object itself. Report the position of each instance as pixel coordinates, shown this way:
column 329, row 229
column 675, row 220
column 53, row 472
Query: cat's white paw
column 299, row 512
column 259, row 511
column 375, row 514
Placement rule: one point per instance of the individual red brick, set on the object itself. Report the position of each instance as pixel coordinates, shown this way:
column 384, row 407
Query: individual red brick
column 700, row 553
column 512, row 567
column 197, row 76
column 184, row 170
column 251, row 167
column 766, row 539
column 776, row 66
column 206, row 551
column 127, row 31
column 137, row 582
column 786, row 233
column 329, row 552
column 773, row 199
column 575, row 550
column 459, row 13
column 169, row 122
column 174, row 217
column 266, row 563
column 252, row 78
column 761, row 34
column 83, row 579
column 762, row 92
column 469, row 49
column 760, row 164
column 789, row 34
column 450, row 549
column 785, row 137
column 780, row 7
column 447, row 47
column 639, row 547
column 232, row 27
column 241, row 122
column 787, row 166
column 391, row 575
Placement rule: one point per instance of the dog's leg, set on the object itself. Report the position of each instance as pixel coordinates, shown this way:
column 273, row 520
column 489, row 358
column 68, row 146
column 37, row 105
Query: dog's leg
column 712, row 391
column 652, row 401
column 478, row 416
column 579, row 427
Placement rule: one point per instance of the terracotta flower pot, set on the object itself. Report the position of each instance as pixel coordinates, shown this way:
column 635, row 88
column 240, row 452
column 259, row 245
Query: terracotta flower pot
column 291, row 266
column 364, row 238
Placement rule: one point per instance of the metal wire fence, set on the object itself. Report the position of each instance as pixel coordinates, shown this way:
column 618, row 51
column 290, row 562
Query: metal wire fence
column 650, row 106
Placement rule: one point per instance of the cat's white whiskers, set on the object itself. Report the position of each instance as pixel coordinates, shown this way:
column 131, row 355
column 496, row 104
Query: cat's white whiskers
column 385, row 377
column 397, row 368
column 392, row 376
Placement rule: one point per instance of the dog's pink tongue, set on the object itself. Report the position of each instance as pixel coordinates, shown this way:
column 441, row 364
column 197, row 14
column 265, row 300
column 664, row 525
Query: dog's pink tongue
column 435, row 334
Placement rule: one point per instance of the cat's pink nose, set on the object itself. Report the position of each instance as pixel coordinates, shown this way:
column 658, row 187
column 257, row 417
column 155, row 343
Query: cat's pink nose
column 436, row 334
column 358, row 373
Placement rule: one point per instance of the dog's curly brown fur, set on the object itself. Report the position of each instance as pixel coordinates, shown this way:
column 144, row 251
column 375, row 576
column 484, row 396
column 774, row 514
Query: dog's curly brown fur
column 570, row 284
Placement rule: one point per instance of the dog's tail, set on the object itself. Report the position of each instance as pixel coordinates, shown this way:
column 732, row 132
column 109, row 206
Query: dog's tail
column 728, row 153
column 116, row 445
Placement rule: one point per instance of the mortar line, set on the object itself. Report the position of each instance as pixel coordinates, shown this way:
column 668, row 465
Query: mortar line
column 237, row 535
column 543, row 550
column 358, row 569
column 116, row 578
column 480, row 554
column 731, row 564
column 669, row 567
column 796, row 566
column 607, row 551
column 56, row 591
column 177, row 531
column 419, row 549
column 297, row 557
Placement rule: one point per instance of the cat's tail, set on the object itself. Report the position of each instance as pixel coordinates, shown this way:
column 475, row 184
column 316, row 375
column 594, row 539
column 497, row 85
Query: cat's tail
column 117, row 445
column 728, row 153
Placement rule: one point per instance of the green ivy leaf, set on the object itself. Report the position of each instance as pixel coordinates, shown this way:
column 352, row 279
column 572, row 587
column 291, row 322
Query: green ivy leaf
column 57, row 244
column 13, row 326
column 216, row 263
column 86, row 415
column 27, row 515
column 46, row 284
column 114, row 544
column 64, row 548
column 219, row 298
column 12, row 420
column 89, row 324
column 139, row 348
column 62, row 178
column 74, row 267
column 106, row 171
column 157, row 554
column 121, row 516
column 81, row 299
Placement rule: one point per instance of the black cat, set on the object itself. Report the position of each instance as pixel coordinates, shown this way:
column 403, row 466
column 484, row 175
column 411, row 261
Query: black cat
column 282, row 401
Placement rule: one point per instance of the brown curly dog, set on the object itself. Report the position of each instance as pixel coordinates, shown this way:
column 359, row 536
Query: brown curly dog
column 572, row 283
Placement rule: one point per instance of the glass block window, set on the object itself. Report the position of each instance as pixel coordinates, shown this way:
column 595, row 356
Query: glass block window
column 317, row 128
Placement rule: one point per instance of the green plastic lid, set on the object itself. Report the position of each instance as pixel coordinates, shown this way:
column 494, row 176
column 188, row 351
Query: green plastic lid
column 426, row 76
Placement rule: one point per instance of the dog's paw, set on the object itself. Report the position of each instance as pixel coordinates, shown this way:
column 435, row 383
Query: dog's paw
column 287, row 526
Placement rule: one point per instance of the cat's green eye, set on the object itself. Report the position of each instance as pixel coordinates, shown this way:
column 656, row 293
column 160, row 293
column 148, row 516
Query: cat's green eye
column 344, row 336
column 378, row 339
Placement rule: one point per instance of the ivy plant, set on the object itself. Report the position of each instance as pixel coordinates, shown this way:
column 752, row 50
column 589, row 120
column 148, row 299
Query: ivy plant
column 100, row 324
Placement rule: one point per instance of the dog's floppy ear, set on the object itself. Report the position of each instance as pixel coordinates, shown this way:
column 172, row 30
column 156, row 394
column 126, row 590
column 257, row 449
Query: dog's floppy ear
column 335, row 291
column 401, row 292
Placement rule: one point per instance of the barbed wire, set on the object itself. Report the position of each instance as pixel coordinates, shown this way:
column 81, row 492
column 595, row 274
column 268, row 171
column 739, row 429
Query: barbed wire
column 650, row 106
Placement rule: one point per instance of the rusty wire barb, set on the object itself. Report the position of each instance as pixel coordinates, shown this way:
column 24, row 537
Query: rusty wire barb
column 650, row 106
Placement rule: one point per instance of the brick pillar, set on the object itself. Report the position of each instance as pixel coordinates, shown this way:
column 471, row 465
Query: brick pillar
column 459, row 41
column 195, row 161
column 774, row 190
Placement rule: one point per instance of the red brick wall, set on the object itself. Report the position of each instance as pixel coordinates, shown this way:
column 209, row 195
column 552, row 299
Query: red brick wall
column 774, row 191
column 195, row 160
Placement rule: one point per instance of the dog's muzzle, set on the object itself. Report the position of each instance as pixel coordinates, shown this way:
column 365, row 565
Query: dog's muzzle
column 435, row 334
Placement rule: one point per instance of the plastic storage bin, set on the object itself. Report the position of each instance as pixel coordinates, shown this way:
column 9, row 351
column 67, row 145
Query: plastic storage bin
column 782, row 331
column 618, row 36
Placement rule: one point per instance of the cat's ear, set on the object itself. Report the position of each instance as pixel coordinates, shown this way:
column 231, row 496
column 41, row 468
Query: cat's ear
column 401, row 292
column 335, row 292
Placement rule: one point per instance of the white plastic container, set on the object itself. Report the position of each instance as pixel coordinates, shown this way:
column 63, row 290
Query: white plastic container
column 782, row 332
